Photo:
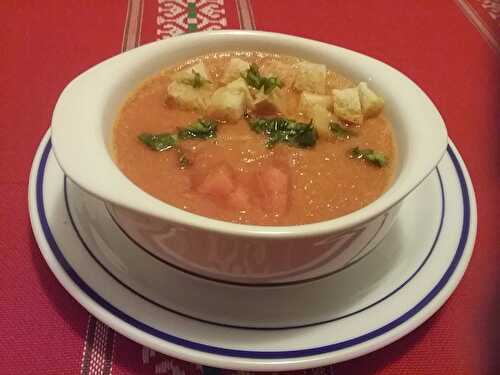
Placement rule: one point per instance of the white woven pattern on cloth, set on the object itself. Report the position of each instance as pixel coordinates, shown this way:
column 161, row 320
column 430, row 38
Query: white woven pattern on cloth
column 173, row 16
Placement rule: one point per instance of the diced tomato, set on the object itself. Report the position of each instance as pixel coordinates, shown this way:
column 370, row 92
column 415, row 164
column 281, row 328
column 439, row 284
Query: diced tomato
column 273, row 184
column 219, row 182
column 239, row 199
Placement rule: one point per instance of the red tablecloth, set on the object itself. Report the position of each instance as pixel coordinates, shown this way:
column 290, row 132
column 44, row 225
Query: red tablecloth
column 450, row 48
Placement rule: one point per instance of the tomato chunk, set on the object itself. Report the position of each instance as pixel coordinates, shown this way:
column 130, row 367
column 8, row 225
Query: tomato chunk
column 273, row 184
column 239, row 199
column 219, row 182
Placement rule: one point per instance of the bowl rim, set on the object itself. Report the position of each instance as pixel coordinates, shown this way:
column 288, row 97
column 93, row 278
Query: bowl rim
column 195, row 221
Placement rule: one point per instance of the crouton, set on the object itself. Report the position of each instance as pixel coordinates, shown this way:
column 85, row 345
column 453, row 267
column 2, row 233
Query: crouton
column 270, row 104
column 347, row 106
column 227, row 104
column 276, row 68
column 310, row 77
column 316, row 109
column 241, row 85
column 188, row 97
column 309, row 100
column 371, row 103
column 321, row 118
column 235, row 69
column 188, row 73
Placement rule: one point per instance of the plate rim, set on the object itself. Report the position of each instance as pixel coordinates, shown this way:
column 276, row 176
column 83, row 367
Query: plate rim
column 92, row 253
column 205, row 354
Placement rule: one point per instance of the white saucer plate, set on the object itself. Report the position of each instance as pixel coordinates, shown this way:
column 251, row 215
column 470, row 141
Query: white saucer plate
column 380, row 298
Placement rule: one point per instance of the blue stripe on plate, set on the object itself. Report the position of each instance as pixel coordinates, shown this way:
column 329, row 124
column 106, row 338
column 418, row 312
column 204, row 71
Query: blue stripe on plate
column 126, row 286
column 250, row 353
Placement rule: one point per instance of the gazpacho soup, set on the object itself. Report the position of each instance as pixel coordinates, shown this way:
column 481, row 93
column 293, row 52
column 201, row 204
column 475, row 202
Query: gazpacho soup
column 256, row 138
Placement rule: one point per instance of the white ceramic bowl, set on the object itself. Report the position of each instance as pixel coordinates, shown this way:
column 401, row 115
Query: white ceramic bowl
column 81, row 131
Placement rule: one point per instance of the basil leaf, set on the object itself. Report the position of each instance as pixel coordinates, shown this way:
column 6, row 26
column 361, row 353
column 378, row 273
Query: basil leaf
column 270, row 83
column 254, row 79
column 197, row 81
column 369, row 155
column 158, row 142
column 203, row 129
column 282, row 130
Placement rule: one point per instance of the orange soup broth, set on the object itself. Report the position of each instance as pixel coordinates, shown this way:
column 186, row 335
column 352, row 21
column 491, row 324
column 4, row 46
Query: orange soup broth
column 323, row 182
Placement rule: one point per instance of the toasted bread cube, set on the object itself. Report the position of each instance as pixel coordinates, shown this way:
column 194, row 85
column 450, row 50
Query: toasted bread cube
column 347, row 106
column 235, row 69
column 227, row 104
column 309, row 100
column 275, row 68
column 188, row 73
column 270, row 104
column 310, row 77
column 371, row 103
column 188, row 97
column 321, row 118
column 315, row 108
column 241, row 85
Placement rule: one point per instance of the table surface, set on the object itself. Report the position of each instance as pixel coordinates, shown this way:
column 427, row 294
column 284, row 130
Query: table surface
column 450, row 48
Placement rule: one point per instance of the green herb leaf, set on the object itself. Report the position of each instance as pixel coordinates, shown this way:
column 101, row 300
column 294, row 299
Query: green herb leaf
column 197, row 81
column 203, row 129
column 341, row 132
column 255, row 79
column 270, row 83
column 158, row 142
column 370, row 155
column 282, row 130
